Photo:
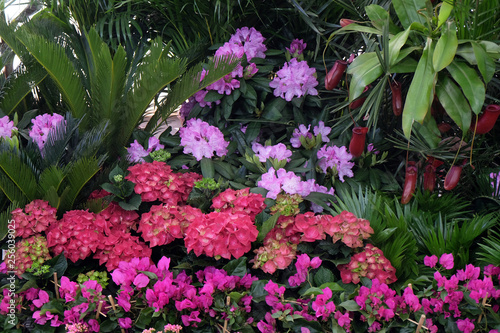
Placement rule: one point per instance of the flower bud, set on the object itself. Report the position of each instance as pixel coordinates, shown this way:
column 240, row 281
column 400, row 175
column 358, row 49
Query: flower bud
column 429, row 178
column 335, row 74
column 452, row 177
column 357, row 144
column 345, row 22
column 359, row 102
column 410, row 182
column 488, row 119
column 397, row 103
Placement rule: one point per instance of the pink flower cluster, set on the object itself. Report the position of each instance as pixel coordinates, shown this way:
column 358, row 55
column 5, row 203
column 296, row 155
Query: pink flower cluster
column 30, row 250
column 289, row 182
column 35, row 218
column 302, row 134
column 156, row 181
column 350, row 229
column 136, row 151
column 371, row 263
column 42, row 125
column 304, row 262
column 277, row 252
column 278, row 152
column 6, row 127
column 296, row 47
column 379, row 301
column 202, row 140
column 239, row 201
column 221, row 234
column 337, row 160
column 164, row 223
column 295, row 79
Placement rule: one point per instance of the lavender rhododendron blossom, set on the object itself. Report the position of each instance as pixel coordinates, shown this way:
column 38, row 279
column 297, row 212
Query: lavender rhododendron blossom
column 337, row 159
column 6, row 127
column 251, row 41
column 304, row 133
column 136, row 151
column 495, row 183
column 202, row 140
column 297, row 47
column 278, row 151
column 295, row 79
column 42, row 125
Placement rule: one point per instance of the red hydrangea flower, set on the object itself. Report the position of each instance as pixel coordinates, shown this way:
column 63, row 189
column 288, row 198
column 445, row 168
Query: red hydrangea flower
column 114, row 215
column 29, row 251
column 370, row 263
column 98, row 194
column 239, row 201
column 156, row 181
column 164, row 223
column 348, row 228
column 36, row 217
column 120, row 245
column 310, row 227
column 221, row 234
column 76, row 234
column 277, row 252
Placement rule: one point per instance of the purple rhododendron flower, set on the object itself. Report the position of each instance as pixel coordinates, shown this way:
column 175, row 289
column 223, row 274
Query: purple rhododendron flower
column 337, row 159
column 278, row 151
column 6, row 127
column 42, row 125
column 302, row 131
column 295, row 79
column 297, row 47
column 323, row 130
column 136, row 151
column 252, row 42
column 202, row 140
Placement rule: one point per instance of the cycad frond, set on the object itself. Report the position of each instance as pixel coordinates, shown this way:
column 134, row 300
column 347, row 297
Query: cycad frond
column 51, row 177
column 5, row 216
column 18, row 181
column 490, row 249
column 53, row 58
column 56, row 145
column 90, row 143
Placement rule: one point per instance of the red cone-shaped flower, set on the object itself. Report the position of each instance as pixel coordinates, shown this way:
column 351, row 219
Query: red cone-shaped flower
column 359, row 102
column 488, row 119
column 397, row 102
column 410, row 182
column 357, row 145
column 429, row 178
column 452, row 177
column 335, row 74
column 345, row 22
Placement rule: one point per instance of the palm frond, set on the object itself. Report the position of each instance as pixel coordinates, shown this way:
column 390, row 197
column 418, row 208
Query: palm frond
column 490, row 249
column 17, row 181
column 53, row 58
column 56, row 145
column 51, row 177
column 5, row 216
column 91, row 142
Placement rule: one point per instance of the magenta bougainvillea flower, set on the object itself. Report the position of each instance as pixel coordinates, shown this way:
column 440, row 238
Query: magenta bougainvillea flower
column 202, row 140
column 42, row 125
column 295, row 79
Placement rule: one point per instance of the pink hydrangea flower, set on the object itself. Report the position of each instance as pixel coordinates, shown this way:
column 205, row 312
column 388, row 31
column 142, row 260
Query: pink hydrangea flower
column 202, row 140
column 295, row 79
column 6, row 127
column 42, row 125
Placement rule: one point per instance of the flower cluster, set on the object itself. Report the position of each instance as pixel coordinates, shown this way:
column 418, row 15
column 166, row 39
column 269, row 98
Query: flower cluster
column 136, row 151
column 221, row 234
column 168, row 328
column 277, row 252
column 289, row 182
column 495, row 183
column 296, row 47
column 6, row 127
column 35, row 218
column 381, row 301
column 115, row 216
column 302, row 137
column 350, row 229
column 29, row 251
column 156, row 181
column 371, row 263
column 278, row 152
column 304, row 262
column 295, row 79
column 164, row 223
column 336, row 160
column 202, row 140
column 239, row 201
column 42, row 126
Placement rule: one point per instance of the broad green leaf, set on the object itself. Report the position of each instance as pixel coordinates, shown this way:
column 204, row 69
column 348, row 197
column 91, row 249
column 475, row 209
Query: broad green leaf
column 395, row 45
column 207, row 167
column 429, row 131
column 466, row 51
column 470, row 83
column 18, row 181
column 272, row 110
column 444, row 12
column 354, row 27
column 364, row 69
column 454, row 102
column 406, row 66
column 379, row 16
column 485, row 64
column 267, row 226
column 407, row 11
column 350, row 305
column 493, row 49
column 446, row 47
column 420, row 93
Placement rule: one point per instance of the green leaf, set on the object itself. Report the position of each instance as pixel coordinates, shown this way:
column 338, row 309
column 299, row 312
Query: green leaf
column 378, row 15
column 17, row 180
column 395, row 45
column 444, row 12
column 272, row 110
column 349, row 305
column 132, row 204
column 446, row 47
column 454, row 102
column 237, row 267
column 267, row 226
column 207, row 167
column 420, row 93
column 145, row 317
column 364, row 69
column 408, row 11
column 322, row 276
column 485, row 64
column 224, row 169
column 470, row 83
